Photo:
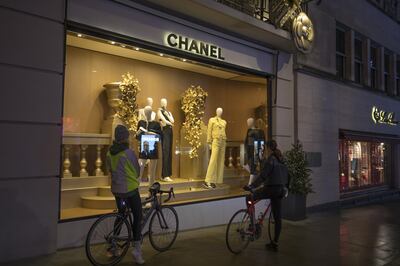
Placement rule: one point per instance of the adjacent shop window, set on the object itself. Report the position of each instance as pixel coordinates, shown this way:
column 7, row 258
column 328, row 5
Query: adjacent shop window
column 386, row 72
column 362, row 164
column 358, row 66
column 95, row 101
column 373, row 67
column 340, row 53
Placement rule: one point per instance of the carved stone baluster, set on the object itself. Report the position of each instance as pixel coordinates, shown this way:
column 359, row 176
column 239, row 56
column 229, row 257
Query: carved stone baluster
column 238, row 162
column 83, row 162
column 230, row 159
column 99, row 163
column 67, row 162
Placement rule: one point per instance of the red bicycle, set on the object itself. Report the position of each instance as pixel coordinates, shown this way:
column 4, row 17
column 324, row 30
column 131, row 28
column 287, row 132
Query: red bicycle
column 244, row 227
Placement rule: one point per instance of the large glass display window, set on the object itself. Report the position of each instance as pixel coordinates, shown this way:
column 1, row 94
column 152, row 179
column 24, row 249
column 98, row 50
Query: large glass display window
column 362, row 164
column 191, row 124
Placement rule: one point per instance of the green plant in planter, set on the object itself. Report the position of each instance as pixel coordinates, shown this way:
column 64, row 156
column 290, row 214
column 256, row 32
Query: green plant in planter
column 295, row 160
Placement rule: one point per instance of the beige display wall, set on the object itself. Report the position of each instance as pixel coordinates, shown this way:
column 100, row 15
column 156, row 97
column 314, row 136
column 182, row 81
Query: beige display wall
column 85, row 102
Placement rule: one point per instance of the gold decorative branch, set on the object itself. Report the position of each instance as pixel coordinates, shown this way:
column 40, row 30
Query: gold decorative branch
column 128, row 109
column 193, row 105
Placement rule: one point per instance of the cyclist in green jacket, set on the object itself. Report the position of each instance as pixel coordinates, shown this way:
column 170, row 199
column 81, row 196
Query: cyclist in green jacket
column 124, row 168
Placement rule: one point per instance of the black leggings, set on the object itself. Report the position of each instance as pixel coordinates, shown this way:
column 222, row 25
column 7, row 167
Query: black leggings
column 135, row 204
column 274, row 193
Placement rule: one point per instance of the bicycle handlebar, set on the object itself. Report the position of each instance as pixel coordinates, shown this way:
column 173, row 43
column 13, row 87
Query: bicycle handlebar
column 170, row 192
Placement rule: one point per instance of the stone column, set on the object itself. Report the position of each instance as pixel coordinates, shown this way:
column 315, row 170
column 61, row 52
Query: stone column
column 380, row 68
column 366, row 62
column 349, row 42
column 392, row 74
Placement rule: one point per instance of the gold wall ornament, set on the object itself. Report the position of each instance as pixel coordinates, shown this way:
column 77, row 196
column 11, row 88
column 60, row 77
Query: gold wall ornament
column 288, row 14
column 193, row 106
column 303, row 33
column 128, row 110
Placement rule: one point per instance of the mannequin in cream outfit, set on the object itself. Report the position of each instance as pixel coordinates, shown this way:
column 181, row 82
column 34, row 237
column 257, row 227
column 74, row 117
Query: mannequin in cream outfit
column 167, row 122
column 216, row 138
column 148, row 126
column 142, row 116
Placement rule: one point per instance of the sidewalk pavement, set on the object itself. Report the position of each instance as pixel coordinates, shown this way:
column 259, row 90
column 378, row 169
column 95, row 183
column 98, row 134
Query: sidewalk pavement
column 368, row 235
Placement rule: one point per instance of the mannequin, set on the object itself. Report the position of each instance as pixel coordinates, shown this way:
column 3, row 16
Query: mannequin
column 216, row 138
column 252, row 144
column 142, row 116
column 149, row 152
column 167, row 122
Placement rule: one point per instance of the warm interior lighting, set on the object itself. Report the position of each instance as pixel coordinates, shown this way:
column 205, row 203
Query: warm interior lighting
column 184, row 60
column 112, row 42
column 79, row 35
column 137, row 49
column 161, row 54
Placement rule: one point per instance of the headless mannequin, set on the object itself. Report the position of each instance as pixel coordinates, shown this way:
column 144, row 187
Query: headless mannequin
column 253, row 135
column 148, row 126
column 167, row 122
column 142, row 116
column 216, row 139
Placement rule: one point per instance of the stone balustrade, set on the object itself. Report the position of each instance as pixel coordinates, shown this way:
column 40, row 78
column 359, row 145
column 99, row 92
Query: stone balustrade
column 83, row 141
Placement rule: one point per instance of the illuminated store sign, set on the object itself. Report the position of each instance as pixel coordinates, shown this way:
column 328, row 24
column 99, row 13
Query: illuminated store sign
column 193, row 46
column 383, row 117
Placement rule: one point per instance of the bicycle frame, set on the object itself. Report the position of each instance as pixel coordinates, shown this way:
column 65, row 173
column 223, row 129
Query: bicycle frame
column 156, row 203
column 155, row 206
column 252, row 213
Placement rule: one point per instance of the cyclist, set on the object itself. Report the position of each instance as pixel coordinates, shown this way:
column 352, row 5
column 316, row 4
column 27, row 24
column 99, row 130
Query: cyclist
column 270, row 184
column 124, row 167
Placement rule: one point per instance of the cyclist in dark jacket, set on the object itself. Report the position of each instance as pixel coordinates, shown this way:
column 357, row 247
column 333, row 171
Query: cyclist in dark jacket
column 270, row 184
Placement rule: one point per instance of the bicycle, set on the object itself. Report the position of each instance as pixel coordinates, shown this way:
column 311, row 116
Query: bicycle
column 109, row 237
column 243, row 227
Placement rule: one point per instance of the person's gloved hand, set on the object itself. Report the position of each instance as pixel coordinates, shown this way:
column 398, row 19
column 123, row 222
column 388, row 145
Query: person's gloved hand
column 247, row 188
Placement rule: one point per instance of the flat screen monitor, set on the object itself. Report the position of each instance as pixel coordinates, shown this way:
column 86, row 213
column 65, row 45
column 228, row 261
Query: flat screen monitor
column 258, row 149
column 149, row 146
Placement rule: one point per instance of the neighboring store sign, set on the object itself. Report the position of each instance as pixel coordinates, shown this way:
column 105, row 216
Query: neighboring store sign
column 383, row 117
column 193, row 46
column 288, row 14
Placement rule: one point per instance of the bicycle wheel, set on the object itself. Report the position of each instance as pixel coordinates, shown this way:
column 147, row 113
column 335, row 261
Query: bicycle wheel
column 237, row 234
column 271, row 227
column 163, row 228
column 108, row 240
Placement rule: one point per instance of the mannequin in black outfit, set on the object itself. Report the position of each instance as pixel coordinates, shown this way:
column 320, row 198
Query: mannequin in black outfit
column 167, row 122
column 252, row 159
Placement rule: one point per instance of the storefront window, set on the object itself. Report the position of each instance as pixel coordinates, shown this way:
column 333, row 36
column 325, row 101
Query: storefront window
column 362, row 164
column 94, row 69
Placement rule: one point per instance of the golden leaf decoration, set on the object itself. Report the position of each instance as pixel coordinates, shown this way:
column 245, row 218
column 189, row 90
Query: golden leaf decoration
column 128, row 110
column 193, row 105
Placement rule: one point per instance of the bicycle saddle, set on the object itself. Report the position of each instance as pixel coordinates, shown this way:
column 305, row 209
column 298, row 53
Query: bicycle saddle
column 155, row 187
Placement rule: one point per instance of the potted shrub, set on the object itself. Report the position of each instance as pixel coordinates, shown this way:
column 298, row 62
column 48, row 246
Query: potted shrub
column 294, row 206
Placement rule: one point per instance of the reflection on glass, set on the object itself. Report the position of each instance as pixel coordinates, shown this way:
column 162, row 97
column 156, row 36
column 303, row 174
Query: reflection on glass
column 361, row 164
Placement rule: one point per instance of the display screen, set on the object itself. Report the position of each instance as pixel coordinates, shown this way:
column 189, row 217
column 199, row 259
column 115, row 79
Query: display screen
column 148, row 146
column 258, row 148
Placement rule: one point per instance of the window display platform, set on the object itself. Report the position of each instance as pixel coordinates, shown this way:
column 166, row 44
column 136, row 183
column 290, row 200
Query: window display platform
column 92, row 200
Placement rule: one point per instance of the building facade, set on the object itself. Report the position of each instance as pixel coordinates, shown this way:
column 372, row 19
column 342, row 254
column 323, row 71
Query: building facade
column 59, row 57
